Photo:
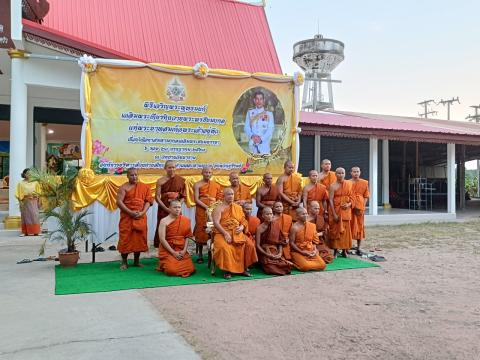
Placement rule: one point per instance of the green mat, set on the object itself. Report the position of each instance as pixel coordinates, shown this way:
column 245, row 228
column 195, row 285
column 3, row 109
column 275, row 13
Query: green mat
column 106, row 276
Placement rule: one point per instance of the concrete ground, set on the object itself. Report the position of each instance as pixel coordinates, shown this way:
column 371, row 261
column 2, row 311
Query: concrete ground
column 36, row 324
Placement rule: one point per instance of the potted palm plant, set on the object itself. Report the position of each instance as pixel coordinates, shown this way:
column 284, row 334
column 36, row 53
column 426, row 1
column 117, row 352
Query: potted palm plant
column 71, row 227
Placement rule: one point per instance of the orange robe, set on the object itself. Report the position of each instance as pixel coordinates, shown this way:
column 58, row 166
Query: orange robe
column 285, row 223
column 176, row 232
column 328, row 179
column 250, row 245
column 242, row 192
column 360, row 193
column 269, row 242
column 270, row 197
column 292, row 188
column 133, row 232
column 208, row 195
column 305, row 239
column 318, row 193
column 323, row 250
column 173, row 189
column 340, row 236
column 231, row 257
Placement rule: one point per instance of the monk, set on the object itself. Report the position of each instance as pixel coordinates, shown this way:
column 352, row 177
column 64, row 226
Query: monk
column 205, row 194
column 303, row 236
column 174, row 231
column 266, row 195
column 270, row 246
column 289, row 187
column 360, row 198
column 317, row 218
column 285, row 222
column 230, row 236
column 250, row 246
column 326, row 176
column 133, row 199
column 341, row 199
column 169, row 187
column 315, row 191
column 241, row 192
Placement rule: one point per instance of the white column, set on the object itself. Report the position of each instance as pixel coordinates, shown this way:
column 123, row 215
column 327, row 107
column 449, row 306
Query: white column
column 373, row 177
column 317, row 158
column 451, row 178
column 43, row 146
column 385, row 175
column 30, row 149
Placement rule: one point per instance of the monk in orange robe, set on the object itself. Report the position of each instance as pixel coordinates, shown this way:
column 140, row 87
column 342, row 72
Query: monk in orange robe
column 230, row 236
column 360, row 198
column 315, row 191
column 326, row 176
column 266, row 195
column 174, row 231
column 205, row 194
column 134, row 199
column 241, row 192
column 341, row 200
column 250, row 246
column 317, row 218
column 270, row 246
column 285, row 223
column 169, row 187
column 303, row 237
column 289, row 187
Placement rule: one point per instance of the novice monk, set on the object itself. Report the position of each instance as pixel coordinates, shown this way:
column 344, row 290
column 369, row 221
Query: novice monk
column 327, row 177
column 229, row 239
column 270, row 246
column 289, row 187
column 253, row 223
column 303, row 236
column 169, row 187
column 266, row 195
column 205, row 194
column 317, row 218
column 315, row 191
column 341, row 198
column 241, row 192
column 174, row 231
column 134, row 199
column 285, row 223
column 360, row 198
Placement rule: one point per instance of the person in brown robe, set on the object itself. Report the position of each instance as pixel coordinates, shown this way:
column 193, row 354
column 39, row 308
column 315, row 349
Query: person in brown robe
column 168, row 188
column 205, row 194
column 326, row 176
column 360, row 196
column 241, row 192
column 270, row 246
column 315, row 191
column 289, row 186
column 285, row 222
column 317, row 218
column 134, row 198
column 266, row 194
column 341, row 199
column 253, row 222
column 174, row 232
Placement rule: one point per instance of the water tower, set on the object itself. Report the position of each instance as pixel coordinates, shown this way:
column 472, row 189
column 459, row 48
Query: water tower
column 318, row 57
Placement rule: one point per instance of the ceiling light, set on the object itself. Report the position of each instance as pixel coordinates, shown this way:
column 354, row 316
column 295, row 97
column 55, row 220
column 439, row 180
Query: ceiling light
column 50, row 131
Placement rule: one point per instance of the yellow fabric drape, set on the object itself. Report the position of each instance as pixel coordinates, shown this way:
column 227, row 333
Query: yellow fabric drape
column 88, row 110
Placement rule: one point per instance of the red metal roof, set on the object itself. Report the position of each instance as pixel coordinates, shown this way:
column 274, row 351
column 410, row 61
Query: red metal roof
column 222, row 33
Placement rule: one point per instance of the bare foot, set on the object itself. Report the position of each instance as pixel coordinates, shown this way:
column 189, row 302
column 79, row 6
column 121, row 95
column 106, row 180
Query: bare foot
column 123, row 267
column 246, row 273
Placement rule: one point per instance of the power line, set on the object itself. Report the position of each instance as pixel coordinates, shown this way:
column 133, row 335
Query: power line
column 425, row 107
column 448, row 103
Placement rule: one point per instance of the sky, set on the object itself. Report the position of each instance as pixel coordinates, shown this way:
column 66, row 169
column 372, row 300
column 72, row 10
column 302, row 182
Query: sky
column 397, row 53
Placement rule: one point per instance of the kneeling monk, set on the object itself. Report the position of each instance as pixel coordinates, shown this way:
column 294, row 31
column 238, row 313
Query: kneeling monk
column 303, row 236
column 315, row 216
column 173, row 232
column 134, row 199
column 270, row 245
column 229, row 239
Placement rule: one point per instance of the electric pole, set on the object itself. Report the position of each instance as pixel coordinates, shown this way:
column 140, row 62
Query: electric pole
column 425, row 108
column 448, row 103
column 476, row 118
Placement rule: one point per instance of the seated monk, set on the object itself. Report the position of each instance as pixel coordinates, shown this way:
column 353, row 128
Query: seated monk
column 205, row 194
column 266, row 195
column 289, row 187
column 241, row 192
column 285, row 222
column 253, row 223
column 317, row 218
column 229, row 236
column 315, row 191
column 303, row 236
column 270, row 246
column 134, row 199
column 174, row 231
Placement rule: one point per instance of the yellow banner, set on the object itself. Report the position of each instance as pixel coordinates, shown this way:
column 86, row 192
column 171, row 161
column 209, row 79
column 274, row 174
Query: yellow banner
column 141, row 117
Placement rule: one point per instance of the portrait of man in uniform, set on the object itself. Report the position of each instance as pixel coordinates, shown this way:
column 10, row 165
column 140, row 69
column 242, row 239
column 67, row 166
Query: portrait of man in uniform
column 259, row 126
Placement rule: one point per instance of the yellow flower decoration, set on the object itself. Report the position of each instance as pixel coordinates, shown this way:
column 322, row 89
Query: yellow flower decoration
column 200, row 70
column 298, row 78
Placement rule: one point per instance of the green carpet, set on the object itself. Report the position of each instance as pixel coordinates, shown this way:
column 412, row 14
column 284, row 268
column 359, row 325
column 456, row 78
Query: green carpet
column 106, row 276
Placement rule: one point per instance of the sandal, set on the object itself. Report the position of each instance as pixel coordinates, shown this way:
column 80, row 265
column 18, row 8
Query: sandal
column 227, row 276
column 200, row 260
column 24, row 261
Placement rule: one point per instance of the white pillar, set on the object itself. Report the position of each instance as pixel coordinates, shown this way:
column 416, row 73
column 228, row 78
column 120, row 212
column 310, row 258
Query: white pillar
column 30, row 149
column 451, row 178
column 385, row 175
column 317, row 158
column 43, row 146
column 373, row 178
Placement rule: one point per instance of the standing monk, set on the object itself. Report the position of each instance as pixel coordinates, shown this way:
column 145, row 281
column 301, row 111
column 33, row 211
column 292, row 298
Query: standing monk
column 289, row 187
column 303, row 236
column 341, row 199
column 270, row 246
column 317, row 218
column 169, row 187
column 360, row 198
column 229, row 236
column 205, row 194
column 174, row 231
column 253, row 222
column 266, row 195
column 315, row 191
column 285, row 223
column 134, row 199
column 326, row 176
column 241, row 192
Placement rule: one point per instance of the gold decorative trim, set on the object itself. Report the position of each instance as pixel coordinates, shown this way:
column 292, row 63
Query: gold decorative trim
column 13, row 222
column 17, row 54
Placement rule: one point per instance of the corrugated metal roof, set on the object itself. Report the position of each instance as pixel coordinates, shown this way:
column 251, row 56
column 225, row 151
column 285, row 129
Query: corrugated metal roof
column 222, row 33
